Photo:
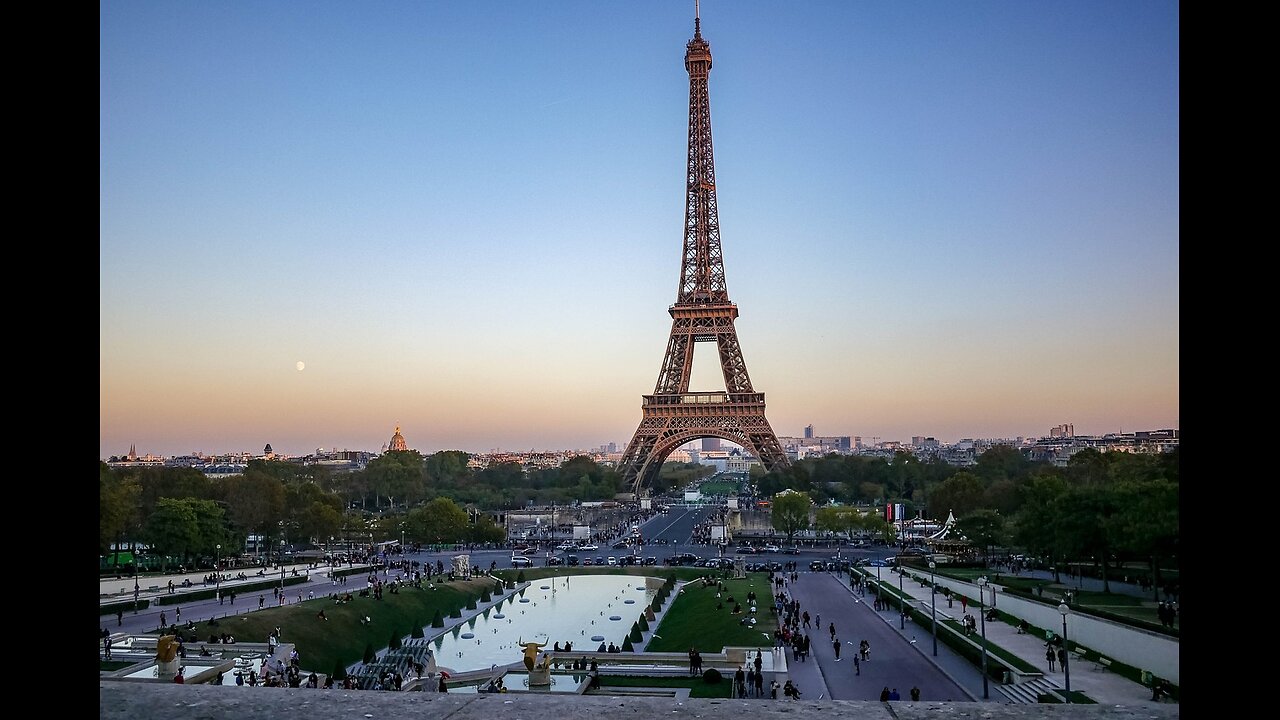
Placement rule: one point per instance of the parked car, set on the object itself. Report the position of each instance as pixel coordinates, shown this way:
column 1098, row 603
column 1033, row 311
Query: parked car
column 651, row 560
column 586, row 562
column 553, row 560
column 520, row 561
column 572, row 560
column 772, row 548
column 613, row 560
column 791, row 550
column 818, row 565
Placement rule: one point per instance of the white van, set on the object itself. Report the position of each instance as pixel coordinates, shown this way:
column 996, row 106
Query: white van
column 520, row 561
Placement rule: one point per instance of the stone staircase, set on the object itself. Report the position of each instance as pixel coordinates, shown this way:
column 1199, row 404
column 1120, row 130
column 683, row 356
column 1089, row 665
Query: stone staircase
column 1027, row 693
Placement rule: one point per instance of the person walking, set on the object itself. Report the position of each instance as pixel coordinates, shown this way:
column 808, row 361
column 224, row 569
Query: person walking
column 261, row 601
column 1050, row 655
column 692, row 664
column 740, row 683
column 832, row 628
column 857, row 666
column 915, row 694
column 835, row 645
column 759, row 684
column 773, row 690
column 177, row 614
column 162, row 619
column 884, row 694
column 119, row 618
column 1062, row 657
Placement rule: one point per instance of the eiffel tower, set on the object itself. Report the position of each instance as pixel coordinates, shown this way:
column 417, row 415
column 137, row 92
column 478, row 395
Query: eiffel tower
column 672, row 415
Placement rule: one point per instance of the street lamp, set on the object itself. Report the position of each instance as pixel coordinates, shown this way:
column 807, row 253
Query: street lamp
column 217, row 575
column 902, row 603
column 982, row 593
column 933, row 606
column 1066, row 655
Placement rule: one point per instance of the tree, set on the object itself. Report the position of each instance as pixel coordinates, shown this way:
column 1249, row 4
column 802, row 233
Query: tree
column 439, row 521
column 960, row 494
column 982, row 528
column 790, row 513
column 369, row 655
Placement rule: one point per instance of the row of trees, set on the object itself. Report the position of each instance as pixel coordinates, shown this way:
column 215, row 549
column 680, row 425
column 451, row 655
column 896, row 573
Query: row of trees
column 1102, row 508
column 1101, row 505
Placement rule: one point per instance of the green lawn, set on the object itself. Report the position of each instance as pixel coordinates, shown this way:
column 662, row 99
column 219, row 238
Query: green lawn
column 718, row 488
column 698, row 688
column 692, row 619
column 342, row 638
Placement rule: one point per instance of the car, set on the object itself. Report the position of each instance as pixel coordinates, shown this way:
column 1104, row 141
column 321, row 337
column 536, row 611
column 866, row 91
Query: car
column 876, row 563
column 745, row 550
column 772, row 548
column 586, row 562
column 520, row 561
column 651, row 560
column 791, row 550
column 553, row 560
column 599, row 560
column 613, row 560
column 818, row 565
column 621, row 545
column 589, row 547
column 572, row 560
column 567, row 547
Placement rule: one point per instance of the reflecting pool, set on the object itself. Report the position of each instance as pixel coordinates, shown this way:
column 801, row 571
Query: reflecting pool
column 574, row 609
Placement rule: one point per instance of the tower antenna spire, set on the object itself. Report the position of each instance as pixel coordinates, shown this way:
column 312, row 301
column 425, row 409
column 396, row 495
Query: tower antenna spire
column 697, row 21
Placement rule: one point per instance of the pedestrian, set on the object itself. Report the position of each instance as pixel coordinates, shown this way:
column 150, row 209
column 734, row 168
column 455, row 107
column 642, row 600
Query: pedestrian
column 162, row 619
column 835, row 644
column 884, row 694
column 857, row 666
column 261, row 600
column 1062, row 658
column 832, row 628
column 740, row 682
column 1050, row 655
column 233, row 598
column 106, row 647
column 692, row 663
column 894, row 695
column 773, row 689
column 177, row 613
column 760, row 684
column 915, row 694
column 119, row 618
column 964, row 604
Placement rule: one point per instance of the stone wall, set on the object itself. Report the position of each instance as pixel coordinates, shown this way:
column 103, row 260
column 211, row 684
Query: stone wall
column 143, row 701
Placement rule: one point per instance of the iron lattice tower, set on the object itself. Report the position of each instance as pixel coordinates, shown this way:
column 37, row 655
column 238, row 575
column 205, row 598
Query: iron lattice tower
column 672, row 415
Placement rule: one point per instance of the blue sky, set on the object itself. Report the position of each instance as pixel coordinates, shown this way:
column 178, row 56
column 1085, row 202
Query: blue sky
column 941, row 219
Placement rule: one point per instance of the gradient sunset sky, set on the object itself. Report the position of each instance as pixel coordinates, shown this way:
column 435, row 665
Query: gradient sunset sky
column 946, row 219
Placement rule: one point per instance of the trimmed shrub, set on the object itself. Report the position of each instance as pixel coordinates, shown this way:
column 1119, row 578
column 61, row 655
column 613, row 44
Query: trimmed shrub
column 627, row 646
column 339, row 672
column 455, row 613
column 417, row 631
column 369, row 654
column 471, row 603
column 712, row 676
column 485, row 596
column 497, row 589
column 438, row 620
column 520, row 578
column 636, row 635
column 394, row 643
column 644, row 624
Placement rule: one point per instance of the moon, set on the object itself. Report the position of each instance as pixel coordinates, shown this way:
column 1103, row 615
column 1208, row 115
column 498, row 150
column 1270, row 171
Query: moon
column 301, row 366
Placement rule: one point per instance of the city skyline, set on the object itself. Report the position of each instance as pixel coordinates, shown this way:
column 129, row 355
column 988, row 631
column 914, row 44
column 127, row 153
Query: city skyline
column 464, row 219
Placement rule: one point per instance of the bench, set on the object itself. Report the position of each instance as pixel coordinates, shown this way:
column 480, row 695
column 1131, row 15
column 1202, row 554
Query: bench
column 1102, row 663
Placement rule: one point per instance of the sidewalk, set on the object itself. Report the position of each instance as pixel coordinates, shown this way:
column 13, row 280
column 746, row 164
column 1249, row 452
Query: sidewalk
column 1101, row 685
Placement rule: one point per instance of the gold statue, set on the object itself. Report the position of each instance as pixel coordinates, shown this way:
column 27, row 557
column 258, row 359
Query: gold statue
column 532, row 659
column 166, row 648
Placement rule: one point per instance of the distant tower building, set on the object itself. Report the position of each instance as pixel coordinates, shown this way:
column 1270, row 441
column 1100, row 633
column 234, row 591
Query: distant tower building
column 712, row 443
column 267, row 452
column 1062, row 431
column 397, row 442
column 808, row 432
column 133, row 454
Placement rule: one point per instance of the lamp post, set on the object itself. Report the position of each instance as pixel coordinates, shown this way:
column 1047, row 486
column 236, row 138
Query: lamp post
column 933, row 606
column 136, row 587
column 982, row 593
column 217, row 574
column 902, row 603
column 1066, row 655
